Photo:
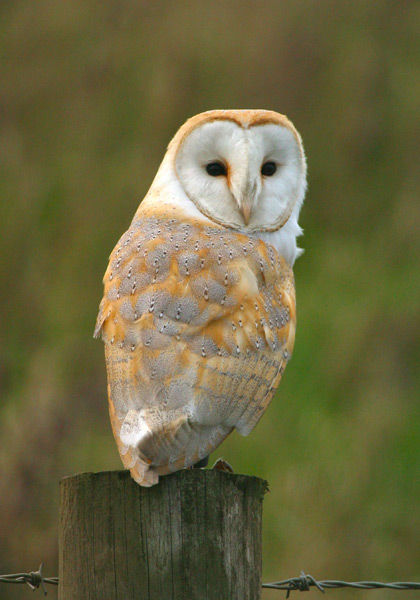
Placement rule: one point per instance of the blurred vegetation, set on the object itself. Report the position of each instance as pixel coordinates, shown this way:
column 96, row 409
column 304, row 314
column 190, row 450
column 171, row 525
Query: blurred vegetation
column 91, row 93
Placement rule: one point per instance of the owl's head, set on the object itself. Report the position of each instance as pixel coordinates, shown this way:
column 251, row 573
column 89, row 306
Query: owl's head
column 243, row 169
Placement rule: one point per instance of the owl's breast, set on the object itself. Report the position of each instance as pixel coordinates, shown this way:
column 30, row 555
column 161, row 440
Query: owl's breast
column 170, row 279
column 198, row 323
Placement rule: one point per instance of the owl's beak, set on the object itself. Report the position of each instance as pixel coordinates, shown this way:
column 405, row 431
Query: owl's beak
column 247, row 198
column 245, row 189
column 246, row 210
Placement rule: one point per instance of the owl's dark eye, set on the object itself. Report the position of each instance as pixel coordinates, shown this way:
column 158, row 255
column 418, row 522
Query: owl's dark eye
column 268, row 168
column 215, row 169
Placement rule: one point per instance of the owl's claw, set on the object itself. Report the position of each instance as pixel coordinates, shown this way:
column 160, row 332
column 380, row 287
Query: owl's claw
column 222, row 465
column 201, row 463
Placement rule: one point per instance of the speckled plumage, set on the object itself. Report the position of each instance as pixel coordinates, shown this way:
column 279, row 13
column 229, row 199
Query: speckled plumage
column 198, row 322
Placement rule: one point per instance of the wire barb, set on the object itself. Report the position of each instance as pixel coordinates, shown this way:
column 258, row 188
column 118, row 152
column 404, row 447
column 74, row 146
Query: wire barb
column 305, row 582
column 34, row 579
column 301, row 583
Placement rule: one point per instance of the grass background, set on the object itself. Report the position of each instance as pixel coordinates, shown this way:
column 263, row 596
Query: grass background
column 91, row 92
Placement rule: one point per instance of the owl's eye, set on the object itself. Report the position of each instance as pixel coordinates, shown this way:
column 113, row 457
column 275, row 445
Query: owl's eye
column 268, row 168
column 215, row 169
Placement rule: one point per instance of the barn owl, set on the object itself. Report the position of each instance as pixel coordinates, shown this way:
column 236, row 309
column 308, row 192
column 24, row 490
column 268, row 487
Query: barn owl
column 198, row 314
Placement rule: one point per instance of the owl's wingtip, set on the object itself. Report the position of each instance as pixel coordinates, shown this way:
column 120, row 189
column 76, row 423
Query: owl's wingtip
column 100, row 320
column 98, row 327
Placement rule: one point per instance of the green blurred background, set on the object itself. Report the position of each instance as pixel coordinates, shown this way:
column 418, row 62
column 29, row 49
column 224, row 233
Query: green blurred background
column 91, row 93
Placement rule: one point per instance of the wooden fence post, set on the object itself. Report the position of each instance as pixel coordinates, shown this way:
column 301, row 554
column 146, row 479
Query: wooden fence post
column 196, row 535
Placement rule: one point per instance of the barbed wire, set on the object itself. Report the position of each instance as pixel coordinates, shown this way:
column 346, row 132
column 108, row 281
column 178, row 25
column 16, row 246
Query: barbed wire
column 305, row 582
column 35, row 579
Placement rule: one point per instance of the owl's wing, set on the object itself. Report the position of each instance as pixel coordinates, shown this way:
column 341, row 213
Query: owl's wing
column 198, row 324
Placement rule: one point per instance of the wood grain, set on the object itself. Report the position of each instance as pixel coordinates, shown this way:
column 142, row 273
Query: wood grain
column 196, row 535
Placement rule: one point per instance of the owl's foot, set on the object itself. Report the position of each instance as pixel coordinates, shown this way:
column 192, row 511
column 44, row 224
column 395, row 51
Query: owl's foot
column 201, row 463
column 222, row 465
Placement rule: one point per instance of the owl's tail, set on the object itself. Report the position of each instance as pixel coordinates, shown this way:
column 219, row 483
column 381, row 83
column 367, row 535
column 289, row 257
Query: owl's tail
column 140, row 470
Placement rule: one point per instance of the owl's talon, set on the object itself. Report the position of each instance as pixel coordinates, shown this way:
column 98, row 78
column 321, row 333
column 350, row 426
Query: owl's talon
column 222, row 465
column 201, row 464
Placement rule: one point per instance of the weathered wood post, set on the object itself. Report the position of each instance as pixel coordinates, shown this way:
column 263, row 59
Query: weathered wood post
column 196, row 535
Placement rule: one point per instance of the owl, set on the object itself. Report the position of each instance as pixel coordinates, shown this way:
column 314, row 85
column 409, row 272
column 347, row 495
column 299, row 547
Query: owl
column 198, row 314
